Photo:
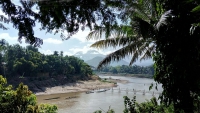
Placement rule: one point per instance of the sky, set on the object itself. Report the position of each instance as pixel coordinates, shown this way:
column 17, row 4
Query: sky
column 53, row 42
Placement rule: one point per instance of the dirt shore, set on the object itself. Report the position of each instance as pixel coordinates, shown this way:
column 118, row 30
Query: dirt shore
column 80, row 86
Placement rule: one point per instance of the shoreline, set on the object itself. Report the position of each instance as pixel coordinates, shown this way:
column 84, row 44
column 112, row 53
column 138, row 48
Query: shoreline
column 127, row 75
column 80, row 86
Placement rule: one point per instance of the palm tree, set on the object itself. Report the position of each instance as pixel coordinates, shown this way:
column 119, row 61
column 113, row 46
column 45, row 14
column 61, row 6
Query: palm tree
column 135, row 39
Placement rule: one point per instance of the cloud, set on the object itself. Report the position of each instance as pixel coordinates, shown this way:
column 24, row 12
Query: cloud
column 2, row 13
column 105, row 52
column 7, row 37
column 86, row 48
column 11, row 40
column 46, row 52
column 82, row 49
column 53, row 41
column 67, row 53
column 81, row 36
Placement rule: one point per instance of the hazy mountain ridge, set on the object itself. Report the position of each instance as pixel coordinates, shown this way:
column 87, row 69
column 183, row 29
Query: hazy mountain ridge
column 89, row 55
column 93, row 58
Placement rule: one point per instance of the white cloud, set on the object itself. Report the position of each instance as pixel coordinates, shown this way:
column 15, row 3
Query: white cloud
column 87, row 48
column 7, row 37
column 53, row 41
column 67, row 53
column 46, row 52
column 11, row 40
column 105, row 52
column 81, row 36
column 83, row 49
column 2, row 13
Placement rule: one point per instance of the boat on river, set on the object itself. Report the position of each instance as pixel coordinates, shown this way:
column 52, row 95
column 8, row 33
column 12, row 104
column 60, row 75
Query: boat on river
column 102, row 91
column 88, row 92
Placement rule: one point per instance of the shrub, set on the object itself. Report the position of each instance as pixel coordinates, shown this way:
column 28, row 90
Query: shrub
column 21, row 100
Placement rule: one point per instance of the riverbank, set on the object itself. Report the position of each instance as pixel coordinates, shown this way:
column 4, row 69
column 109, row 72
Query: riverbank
column 126, row 75
column 79, row 86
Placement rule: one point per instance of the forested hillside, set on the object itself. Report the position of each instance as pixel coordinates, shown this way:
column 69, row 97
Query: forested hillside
column 28, row 65
column 137, row 71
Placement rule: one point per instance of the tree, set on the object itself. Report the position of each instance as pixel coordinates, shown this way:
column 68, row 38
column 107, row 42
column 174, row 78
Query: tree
column 20, row 100
column 180, row 80
column 161, row 22
column 132, row 38
column 58, row 15
column 55, row 53
column 169, row 24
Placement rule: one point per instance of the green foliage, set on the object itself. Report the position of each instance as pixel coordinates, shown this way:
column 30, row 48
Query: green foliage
column 28, row 62
column 21, row 100
column 166, row 29
column 65, row 15
column 134, row 36
column 180, row 80
column 150, row 106
column 129, row 105
column 108, row 111
column 46, row 108
column 108, row 81
column 135, row 70
column 158, row 31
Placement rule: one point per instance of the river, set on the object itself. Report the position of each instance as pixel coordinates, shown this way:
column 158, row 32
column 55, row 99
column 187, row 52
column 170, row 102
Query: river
column 88, row 103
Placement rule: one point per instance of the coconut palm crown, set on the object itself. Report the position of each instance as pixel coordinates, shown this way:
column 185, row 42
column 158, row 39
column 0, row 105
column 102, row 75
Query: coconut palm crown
column 135, row 37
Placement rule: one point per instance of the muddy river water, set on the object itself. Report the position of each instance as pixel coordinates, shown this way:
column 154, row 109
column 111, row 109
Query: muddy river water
column 88, row 103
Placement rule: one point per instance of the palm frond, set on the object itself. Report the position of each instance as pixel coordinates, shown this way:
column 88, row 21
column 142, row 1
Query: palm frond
column 141, row 47
column 140, row 13
column 113, row 42
column 134, row 58
column 136, row 38
column 193, row 27
column 130, row 49
column 148, row 52
column 115, row 31
column 143, row 28
column 118, row 55
column 106, row 43
column 163, row 19
column 96, row 34
column 196, row 9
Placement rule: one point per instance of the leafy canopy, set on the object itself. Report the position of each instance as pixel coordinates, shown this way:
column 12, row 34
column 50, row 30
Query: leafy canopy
column 54, row 16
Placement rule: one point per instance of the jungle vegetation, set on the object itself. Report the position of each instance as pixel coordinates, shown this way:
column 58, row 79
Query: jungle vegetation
column 167, row 30
column 135, row 70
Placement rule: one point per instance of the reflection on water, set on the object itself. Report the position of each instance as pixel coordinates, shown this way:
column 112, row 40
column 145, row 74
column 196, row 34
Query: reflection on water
column 88, row 103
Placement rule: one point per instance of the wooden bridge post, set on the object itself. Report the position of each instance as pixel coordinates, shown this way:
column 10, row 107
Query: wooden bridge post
column 144, row 92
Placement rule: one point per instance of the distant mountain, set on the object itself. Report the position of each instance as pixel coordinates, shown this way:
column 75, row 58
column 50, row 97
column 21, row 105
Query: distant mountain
column 119, row 63
column 89, row 55
column 95, row 61
column 93, row 57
